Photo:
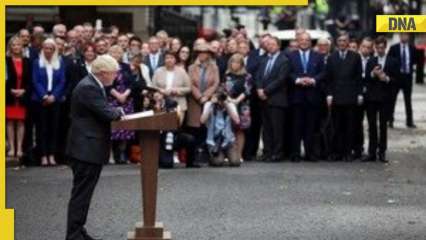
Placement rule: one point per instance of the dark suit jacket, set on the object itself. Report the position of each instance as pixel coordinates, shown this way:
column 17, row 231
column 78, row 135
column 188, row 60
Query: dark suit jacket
column 379, row 91
column 344, row 78
column 274, row 83
column 89, row 137
column 74, row 73
column 253, row 61
column 395, row 53
column 149, row 64
column 11, row 80
column 316, row 70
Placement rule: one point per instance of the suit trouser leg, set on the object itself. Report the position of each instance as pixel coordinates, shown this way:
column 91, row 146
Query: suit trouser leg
column 267, row 132
column 339, row 131
column 407, row 89
column 343, row 116
column 358, row 146
column 286, row 131
column 297, row 129
column 394, row 98
column 383, row 121
column 349, row 114
column 54, row 116
column 311, row 116
column 86, row 176
column 278, row 123
column 372, row 128
column 42, row 129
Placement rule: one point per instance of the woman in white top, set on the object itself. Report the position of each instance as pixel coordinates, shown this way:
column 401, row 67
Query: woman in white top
column 48, row 91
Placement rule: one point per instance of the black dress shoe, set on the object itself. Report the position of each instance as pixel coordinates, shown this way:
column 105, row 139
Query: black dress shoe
column 391, row 124
column 193, row 165
column 348, row 158
column 411, row 125
column 369, row 158
column 382, row 158
column 265, row 158
column 86, row 236
column 358, row 155
column 276, row 158
column 311, row 158
column 295, row 159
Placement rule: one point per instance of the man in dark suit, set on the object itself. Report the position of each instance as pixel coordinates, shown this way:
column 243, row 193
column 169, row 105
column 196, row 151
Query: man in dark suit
column 252, row 135
column 272, row 91
column 89, row 141
column 306, row 76
column 344, row 69
column 366, row 52
column 404, row 53
column 155, row 58
column 381, row 71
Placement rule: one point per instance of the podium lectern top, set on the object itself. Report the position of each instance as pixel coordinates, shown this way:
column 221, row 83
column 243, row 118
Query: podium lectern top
column 157, row 122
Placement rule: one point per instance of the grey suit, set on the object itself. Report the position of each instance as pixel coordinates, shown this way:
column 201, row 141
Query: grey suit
column 274, row 83
column 91, row 116
column 89, row 143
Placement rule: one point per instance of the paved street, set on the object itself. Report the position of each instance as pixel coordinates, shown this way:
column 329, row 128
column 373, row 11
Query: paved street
column 258, row 201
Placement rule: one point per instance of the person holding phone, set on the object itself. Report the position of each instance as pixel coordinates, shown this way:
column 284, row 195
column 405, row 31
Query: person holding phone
column 381, row 72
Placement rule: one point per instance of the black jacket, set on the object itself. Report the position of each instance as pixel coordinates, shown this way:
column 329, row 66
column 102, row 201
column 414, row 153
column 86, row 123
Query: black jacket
column 11, row 81
column 89, row 137
column 74, row 73
column 160, row 63
column 315, row 69
column 379, row 91
column 395, row 53
column 344, row 78
column 275, row 83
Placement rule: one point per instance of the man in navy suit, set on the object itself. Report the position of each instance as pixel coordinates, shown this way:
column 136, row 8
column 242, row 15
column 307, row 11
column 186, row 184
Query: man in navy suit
column 344, row 87
column 306, row 75
column 404, row 53
column 155, row 58
column 272, row 91
column 381, row 72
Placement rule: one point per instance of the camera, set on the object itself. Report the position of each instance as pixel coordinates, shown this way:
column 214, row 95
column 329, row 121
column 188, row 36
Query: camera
column 221, row 95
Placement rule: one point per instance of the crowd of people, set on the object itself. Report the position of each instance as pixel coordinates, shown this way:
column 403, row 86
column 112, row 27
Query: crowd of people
column 230, row 95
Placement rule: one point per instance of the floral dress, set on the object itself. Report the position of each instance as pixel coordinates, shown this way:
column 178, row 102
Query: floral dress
column 123, row 82
column 236, row 85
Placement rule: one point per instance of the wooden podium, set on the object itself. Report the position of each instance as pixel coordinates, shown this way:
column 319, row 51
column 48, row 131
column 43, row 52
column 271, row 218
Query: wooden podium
column 149, row 128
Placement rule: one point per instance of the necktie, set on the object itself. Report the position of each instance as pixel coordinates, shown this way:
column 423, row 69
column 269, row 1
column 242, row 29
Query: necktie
column 305, row 62
column 404, row 59
column 154, row 62
column 268, row 66
column 342, row 55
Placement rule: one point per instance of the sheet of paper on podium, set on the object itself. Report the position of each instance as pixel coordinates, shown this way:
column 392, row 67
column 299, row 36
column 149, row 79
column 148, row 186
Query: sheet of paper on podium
column 139, row 115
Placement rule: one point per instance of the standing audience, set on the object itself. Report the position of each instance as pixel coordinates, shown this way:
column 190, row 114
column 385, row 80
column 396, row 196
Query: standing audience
column 226, row 93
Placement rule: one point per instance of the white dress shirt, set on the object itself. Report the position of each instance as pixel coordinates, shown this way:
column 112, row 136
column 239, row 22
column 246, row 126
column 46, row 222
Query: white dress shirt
column 49, row 71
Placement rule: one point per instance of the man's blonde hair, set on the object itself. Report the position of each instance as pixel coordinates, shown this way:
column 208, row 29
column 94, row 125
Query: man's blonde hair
column 104, row 63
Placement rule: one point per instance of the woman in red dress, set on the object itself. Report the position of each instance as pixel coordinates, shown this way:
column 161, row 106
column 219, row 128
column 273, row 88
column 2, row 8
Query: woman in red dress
column 18, row 78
